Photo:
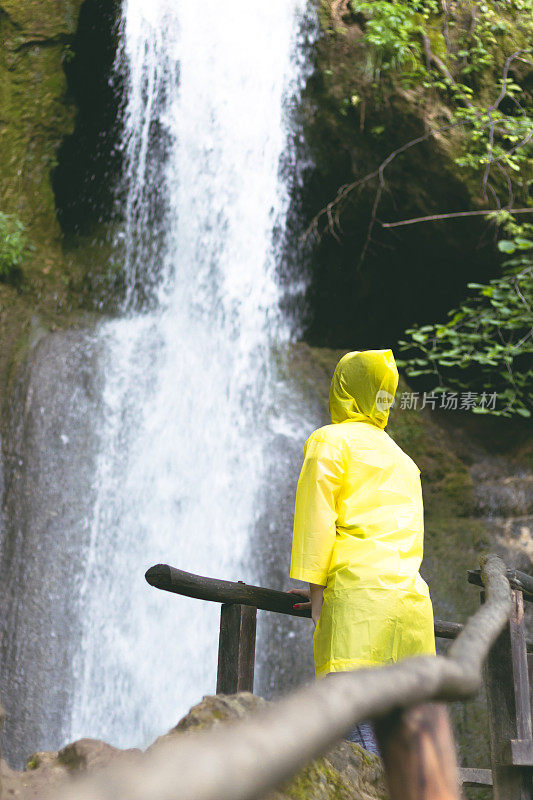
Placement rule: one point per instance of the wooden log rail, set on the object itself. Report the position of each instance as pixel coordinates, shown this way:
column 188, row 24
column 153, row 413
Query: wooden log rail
column 170, row 579
column 240, row 601
column 245, row 759
column 517, row 580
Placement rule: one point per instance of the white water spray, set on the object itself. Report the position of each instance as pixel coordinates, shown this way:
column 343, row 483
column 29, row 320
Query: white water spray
column 187, row 384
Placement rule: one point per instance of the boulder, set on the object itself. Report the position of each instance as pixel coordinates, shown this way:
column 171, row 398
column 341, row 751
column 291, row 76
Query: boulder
column 44, row 771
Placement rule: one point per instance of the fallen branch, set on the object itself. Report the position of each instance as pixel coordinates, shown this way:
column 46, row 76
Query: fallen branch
column 332, row 209
column 433, row 217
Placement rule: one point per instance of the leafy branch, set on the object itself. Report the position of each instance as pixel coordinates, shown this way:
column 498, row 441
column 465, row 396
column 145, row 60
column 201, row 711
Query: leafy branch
column 489, row 331
column 14, row 247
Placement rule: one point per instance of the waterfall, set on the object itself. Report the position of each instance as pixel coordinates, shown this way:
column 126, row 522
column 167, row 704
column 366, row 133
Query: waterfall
column 189, row 379
column 170, row 432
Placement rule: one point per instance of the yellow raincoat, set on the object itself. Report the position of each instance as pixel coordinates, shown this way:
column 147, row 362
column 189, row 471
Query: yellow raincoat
column 358, row 526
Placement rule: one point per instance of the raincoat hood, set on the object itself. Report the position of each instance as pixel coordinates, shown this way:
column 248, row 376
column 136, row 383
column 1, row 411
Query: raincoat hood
column 363, row 387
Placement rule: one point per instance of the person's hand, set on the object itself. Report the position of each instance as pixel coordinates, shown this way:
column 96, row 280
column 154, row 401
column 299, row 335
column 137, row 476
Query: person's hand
column 317, row 598
column 314, row 602
column 302, row 593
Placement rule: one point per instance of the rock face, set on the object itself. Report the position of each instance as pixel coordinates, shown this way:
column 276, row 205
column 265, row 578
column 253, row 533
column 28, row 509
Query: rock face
column 34, row 116
column 52, row 440
column 347, row 772
column 354, row 121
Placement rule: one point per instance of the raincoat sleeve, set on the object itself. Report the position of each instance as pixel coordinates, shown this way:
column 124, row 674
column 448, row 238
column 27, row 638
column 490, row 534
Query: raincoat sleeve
column 315, row 511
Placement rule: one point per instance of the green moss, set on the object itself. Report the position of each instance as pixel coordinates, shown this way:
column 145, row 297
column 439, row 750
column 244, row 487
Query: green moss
column 45, row 18
column 446, row 481
column 451, row 548
column 30, row 335
column 34, row 112
column 13, row 248
column 95, row 268
column 35, row 115
column 317, row 774
column 321, row 779
column 33, row 762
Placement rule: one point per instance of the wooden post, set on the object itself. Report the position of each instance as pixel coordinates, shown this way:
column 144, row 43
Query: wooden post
column 509, row 708
column 236, row 648
column 2, row 718
column 418, row 754
column 520, row 667
column 530, row 671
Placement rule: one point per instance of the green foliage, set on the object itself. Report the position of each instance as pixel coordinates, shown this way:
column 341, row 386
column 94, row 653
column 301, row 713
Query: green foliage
column 496, row 138
column 13, row 247
column 462, row 55
column 485, row 335
column 393, row 32
column 68, row 54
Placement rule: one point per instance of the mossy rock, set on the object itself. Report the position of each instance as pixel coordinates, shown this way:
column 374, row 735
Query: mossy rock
column 346, row 772
column 35, row 113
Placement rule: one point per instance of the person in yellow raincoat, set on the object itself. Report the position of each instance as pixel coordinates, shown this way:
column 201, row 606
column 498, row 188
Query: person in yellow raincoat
column 359, row 528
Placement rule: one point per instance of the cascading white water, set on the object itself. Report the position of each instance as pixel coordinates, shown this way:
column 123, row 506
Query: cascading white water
column 188, row 384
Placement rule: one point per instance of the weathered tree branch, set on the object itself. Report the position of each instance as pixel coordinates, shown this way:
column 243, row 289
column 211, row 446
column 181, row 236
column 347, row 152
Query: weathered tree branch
column 176, row 581
column 434, row 217
column 492, row 108
column 333, row 208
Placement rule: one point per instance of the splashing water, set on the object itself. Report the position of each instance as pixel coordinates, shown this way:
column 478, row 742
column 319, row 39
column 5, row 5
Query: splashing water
column 188, row 368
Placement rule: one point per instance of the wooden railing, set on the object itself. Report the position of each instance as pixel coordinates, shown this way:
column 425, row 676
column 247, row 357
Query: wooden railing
column 245, row 759
column 240, row 601
column 506, row 674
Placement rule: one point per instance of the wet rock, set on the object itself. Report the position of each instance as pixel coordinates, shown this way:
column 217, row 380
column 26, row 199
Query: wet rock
column 49, row 449
column 215, row 709
column 88, row 754
column 513, row 540
column 346, row 772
